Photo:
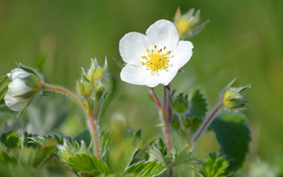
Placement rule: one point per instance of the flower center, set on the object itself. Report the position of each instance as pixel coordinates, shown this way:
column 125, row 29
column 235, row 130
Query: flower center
column 156, row 59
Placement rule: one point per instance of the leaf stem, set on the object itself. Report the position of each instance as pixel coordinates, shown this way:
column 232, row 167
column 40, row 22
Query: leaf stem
column 162, row 114
column 67, row 92
column 92, row 117
column 206, row 123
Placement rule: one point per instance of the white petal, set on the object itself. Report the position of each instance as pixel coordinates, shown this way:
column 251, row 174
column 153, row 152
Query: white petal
column 182, row 54
column 163, row 77
column 15, row 103
column 18, row 72
column 132, row 47
column 137, row 75
column 163, row 33
column 18, row 87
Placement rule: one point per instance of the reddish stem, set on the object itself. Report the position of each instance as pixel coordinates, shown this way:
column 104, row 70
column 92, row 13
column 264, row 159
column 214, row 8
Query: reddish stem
column 204, row 126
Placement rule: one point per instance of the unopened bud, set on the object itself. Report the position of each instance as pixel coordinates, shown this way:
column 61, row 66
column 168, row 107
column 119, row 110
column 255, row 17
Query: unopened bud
column 188, row 24
column 96, row 71
column 84, row 87
column 26, row 83
column 233, row 98
column 180, row 104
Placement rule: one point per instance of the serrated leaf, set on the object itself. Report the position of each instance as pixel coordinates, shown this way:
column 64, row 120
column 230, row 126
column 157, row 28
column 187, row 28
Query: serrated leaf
column 233, row 135
column 215, row 166
column 84, row 136
column 88, row 164
column 169, row 160
column 146, row 169
column 198, row 105
column 31, row 156
column 11, row 139
column 4, row 81
column 128, row 156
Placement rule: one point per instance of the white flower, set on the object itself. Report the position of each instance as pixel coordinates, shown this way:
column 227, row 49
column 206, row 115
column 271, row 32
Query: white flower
column 154, row 58
column 22, row 89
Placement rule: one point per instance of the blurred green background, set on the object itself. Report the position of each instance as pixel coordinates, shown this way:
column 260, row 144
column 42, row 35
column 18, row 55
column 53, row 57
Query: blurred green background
column 243, row 38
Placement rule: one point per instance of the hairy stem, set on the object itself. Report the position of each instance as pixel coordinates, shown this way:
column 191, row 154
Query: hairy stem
column 205, row 124
column 162, row 113
column 67, row 92
column 92, row 119
column 87, row 110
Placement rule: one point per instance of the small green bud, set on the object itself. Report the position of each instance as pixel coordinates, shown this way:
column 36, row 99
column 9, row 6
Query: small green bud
column 98, row 85
column 188, row 24
column 180, row 104
column 84, row 87
column 96, row 71
column 233, row 98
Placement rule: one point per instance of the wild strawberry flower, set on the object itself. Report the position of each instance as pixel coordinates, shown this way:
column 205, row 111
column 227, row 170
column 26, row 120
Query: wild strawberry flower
column 22, row 89
column 154, row 58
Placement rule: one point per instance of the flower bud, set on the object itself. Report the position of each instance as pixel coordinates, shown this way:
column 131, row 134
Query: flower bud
column 180, row 104
column 24, row 86
column 233, row 99
column 96, row 71
column 84, row 87
column 188, row 24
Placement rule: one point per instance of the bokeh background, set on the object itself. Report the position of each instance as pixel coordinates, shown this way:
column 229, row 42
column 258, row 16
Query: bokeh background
column 243, row 38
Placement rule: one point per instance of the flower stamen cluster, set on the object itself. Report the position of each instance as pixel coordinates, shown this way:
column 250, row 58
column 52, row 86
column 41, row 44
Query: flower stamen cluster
column 156, row 59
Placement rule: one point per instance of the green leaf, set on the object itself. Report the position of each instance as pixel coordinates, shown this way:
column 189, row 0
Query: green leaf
column 31, row 156
column 215, row 166
column 233, row 135
column 5, row 158
column 11, row 139
column 105, row 143
column 128, row 156
column 4, row 81
column 158, row 152
column 88, row 164
column 84, row 136
column 146, row 169
column 16, row 170
column 198, row 105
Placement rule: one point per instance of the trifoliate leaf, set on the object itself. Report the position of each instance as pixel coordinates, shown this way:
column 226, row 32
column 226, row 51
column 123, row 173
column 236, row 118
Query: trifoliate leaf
column 215, row 166
column 11, row 139
column 4, row 81
column 233, row 135
column 88, row 164
column 197, row 105
column 146, row 169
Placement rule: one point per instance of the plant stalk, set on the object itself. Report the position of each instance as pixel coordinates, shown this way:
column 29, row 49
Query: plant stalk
column 88, row 111
column 206, row 123
column 162, row 113
column 67, row 92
